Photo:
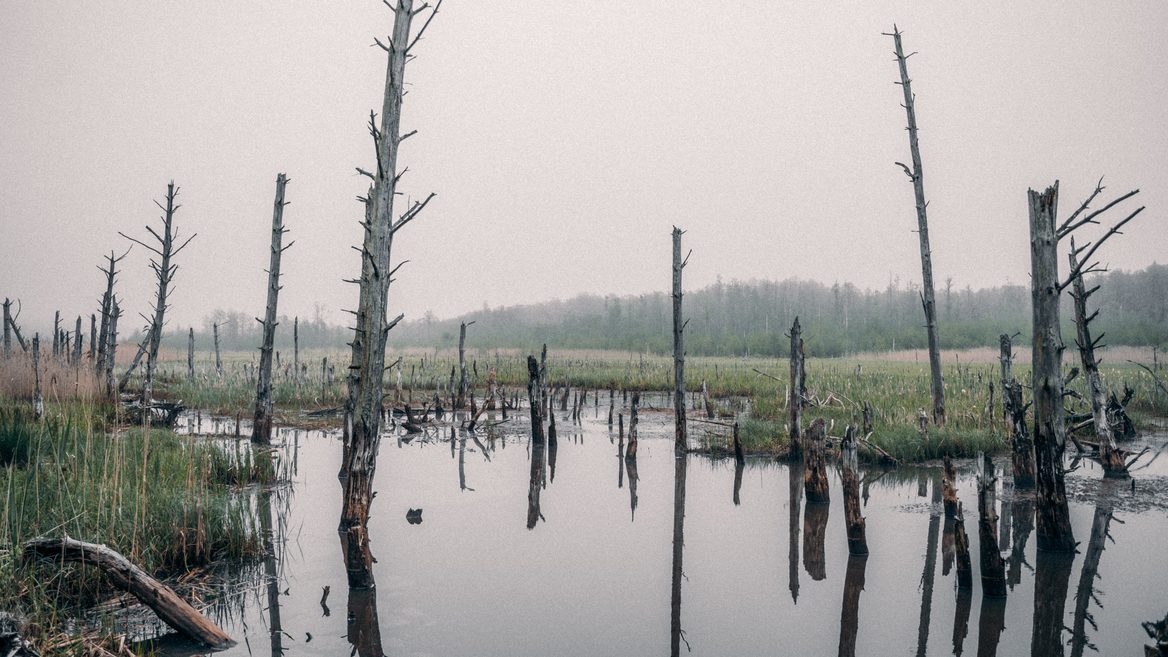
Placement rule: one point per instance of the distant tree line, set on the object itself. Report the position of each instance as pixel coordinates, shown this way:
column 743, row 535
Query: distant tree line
column 750, row 317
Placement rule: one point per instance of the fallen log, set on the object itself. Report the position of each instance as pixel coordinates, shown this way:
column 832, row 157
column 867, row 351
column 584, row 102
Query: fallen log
column 169, row 607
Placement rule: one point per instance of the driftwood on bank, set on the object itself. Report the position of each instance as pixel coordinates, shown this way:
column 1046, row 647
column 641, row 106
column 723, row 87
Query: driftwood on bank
column 171, row 608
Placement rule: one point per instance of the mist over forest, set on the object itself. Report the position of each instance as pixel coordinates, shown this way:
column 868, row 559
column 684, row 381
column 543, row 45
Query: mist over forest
column 745, row 318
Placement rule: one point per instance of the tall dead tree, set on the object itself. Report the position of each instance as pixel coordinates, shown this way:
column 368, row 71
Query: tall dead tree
column 1109, row 454
column 363, row 405
column 56, row 334
column 7, row 327
column 164, row 270
column 261, row 430
column 38, row 400
column 77, row 343
column 916, row 175
column 680, row 440
column 111, row 348
column 111, row 273
column 218, row 360
column 1053, row 526
column 296, row 349
column 191, row 353
column 798, row 392
column 463, row 380
column 92, row 355
column 10, row 323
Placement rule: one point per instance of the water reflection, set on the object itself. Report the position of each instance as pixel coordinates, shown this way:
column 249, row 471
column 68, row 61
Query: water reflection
column 363, row 630
column 1052, row 576
column 739, row 466
column 535, row 484
column 1085, row 593
column 814, row 535
column 929, row 574
column 961, row 617
column 990, row 623
column 676, row 634
column 795, row 492
column 850, row 613
column 1022, row 521
column 271, row 572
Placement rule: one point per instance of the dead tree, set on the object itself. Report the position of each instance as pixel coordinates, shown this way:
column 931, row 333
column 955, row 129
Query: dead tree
column 1014, row 411
column 261, row 431
column 1109, row 454
column 111, row 273
column 191, row 353
column 164, row 271
column 631, row 449
column 949, row 487
column 218, row 361
column 92, row 337
column 993, row 567
column 76, row 360
column 815, row 476
column 38, row 401
column 680, row 440
column 57, row 334
column 534, row 400
column 857, row 542
column 798, row 393
column 1050, row 435
column 463, row 381
column 916, row 175
column 7, row 327
column 111, row 348
column 171, row 608
column 367, row 368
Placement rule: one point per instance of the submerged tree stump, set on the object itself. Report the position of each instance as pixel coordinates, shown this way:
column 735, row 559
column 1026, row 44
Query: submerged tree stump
column 171, row 608
column 857, row 541
column 815, row 475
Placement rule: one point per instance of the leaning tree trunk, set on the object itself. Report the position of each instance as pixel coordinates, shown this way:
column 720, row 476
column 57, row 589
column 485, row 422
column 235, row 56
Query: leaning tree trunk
column 928, row 300
column 1054, row 520
column 366, row 382
column 261, row 431
column 1109, row 454
column 680, row 440
column 798, row 392
column 164, row 273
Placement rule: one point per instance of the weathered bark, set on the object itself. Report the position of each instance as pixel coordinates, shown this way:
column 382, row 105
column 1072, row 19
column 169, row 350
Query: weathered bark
column 798, row 391
column 681, row 443
column 111, row 349
column 993, row 567
column 76, row 359
column 38, row 401
column 706, row 403
column 1054, row 521
column 928, row 301
column 164, row 273
column 815, row 477
column 191, row 354
column 261, row 428
column 850, row 613
column 218, row 360
column 366, row 371
column 1021, row 446
column 92, row 354
column 961, row 550
column 681, row 461
column 1006, row 362
column 7, row 327
column 535, row 400
column 1109, row 454
column 171, row 608
column 857, row 542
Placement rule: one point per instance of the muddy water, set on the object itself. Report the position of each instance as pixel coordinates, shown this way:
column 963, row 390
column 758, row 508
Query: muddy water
column 756, row 572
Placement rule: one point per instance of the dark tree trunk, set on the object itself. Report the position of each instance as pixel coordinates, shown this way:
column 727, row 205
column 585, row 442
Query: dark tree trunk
column 993, row 567
column 795, row 504
column 798, row 392
column 850, row 613
column 815, row 477
column 675, row 633
column 681, row 443
column 857, row 542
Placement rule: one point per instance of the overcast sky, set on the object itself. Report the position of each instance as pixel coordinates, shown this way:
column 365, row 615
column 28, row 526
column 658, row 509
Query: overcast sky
column 563, row 141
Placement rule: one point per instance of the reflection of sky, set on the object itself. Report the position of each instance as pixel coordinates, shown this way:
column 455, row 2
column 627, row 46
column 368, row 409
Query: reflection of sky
column 472, row 580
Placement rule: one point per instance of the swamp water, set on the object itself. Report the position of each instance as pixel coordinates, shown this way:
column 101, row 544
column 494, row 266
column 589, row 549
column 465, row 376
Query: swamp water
column 595, row 570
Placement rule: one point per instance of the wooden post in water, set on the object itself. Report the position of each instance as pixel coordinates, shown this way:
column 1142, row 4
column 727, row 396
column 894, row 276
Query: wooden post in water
column 261, row 429
column 815, row 476
column 798, row 392
column 1109, row 454
column 916, row 175
column 631, row 449
column 534, row 388
column 681, row 442
column 857, row 542
column 164, row 273
column 993, row 567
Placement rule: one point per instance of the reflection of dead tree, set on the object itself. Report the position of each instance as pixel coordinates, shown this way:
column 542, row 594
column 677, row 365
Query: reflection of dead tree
column 677, row 635
column 1085, row 593
column 850, row 613
column 929, row 574
column 857, row 542
column 795, row 503
column 1051, row 579
column 993, row 567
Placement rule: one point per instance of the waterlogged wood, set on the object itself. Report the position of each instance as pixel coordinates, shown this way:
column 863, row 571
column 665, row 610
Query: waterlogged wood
column 798, row 391
column 949, row 486
column 1109, row 454
column 261, row 428
column 681, row 442
column 171, row 608
column 534, row 400
column 1054, row 520
column 928, row 301
column 850, row 613
column 815, row 476
column 631, row 449
column 993, row 567
column 849, row 472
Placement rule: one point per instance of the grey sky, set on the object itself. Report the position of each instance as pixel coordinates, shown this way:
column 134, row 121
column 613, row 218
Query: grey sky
column 563, row 140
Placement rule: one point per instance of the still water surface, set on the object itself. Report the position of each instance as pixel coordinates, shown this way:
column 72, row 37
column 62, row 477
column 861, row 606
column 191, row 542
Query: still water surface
column 593, row 570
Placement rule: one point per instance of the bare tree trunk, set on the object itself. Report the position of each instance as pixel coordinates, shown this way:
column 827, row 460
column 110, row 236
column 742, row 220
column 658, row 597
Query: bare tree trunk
column 164, row 273
column 38, row 401
column 993, row 567
column 77, row 343
column 681, row 443
column 463, row 382
column 56, row 334
column 631, row 449
column 218, row 360
column 857, row 542
column 928, row 301
column 261, row 431
column 92, row 337
column 1109, row 454
column 798, row 392
column 1006, row 361
column 1054, row 521
column 949, row 487
column 534, row 400
column 7, row 327
column 191, row 354
column 815, row 477
column 111, row 349
column 111, row 273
